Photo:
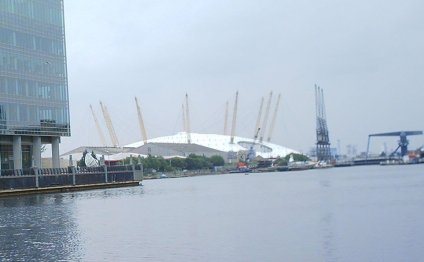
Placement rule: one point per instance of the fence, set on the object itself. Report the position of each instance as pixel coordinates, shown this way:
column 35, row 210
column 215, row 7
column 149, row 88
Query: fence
column 47, row 177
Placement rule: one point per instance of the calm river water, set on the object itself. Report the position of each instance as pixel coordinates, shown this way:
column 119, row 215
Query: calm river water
column 340, row 214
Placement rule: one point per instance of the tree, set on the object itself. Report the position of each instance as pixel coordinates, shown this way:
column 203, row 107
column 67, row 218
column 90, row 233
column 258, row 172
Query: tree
column 217, row 160
column 192, row 162
column 281, row 162
column 195, row 162
column 178, row 163
column 152, row 162
column 285, row 160
column 297, row 157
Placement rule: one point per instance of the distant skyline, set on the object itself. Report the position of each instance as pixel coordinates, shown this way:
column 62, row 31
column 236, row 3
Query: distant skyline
column 366, row 55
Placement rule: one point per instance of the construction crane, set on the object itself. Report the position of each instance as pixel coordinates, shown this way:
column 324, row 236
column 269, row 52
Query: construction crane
column 274, row 117
column 403, row 140
column 188, row 121
column 251, row 154
column 141, row 122
column 323, row 149
column 233, row 127
column 245, row 159
column 99, row 130
column 258, row 120
column 109, row 125
column 265, row 123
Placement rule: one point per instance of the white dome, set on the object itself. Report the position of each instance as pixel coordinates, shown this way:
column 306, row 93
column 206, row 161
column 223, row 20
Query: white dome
column 222, row 143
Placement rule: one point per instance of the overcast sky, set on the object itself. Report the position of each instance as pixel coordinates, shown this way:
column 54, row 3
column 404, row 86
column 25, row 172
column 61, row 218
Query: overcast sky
column 368, row 56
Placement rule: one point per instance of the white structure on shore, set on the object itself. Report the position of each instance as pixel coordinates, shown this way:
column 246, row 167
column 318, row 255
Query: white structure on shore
column 182, row 144
column 222, row 143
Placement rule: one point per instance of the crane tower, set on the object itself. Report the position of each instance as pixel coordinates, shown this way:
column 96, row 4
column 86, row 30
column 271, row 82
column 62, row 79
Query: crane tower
column 323, row 140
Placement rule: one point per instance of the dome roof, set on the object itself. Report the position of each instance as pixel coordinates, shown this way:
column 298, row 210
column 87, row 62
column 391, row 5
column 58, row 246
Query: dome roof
column 222, row 143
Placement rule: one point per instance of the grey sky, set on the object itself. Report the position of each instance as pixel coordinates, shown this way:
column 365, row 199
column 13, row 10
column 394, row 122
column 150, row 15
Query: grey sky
column 366, row 55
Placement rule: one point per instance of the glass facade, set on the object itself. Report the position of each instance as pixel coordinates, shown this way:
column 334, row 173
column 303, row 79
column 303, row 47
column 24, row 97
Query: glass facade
column 33, row 77
column 34, row 106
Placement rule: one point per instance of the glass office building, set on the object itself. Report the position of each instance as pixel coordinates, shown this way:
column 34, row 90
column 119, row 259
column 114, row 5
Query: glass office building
column 34, row 107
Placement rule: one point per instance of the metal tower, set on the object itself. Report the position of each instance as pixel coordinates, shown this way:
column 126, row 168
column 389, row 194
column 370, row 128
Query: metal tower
column 323, row 140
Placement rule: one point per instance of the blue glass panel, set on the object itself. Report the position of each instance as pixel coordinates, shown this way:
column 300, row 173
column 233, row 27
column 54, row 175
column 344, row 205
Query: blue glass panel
column 33, row 77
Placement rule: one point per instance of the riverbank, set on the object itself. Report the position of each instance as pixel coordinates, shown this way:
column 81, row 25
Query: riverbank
column 61, row 189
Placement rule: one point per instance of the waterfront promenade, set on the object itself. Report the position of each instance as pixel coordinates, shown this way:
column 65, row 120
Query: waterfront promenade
column 54, row 180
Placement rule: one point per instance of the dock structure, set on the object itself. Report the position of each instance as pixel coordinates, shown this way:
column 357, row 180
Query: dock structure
column 323, row 141
column 65, row 189
column 403, row 140
column 49, row 180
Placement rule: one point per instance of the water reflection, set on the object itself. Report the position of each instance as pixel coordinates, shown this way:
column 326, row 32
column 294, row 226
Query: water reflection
column 328, row 237
column 352, row 214
column 327, row 218
column 38, row 228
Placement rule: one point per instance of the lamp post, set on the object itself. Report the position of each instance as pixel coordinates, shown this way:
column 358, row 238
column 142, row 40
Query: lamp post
column 107, row 154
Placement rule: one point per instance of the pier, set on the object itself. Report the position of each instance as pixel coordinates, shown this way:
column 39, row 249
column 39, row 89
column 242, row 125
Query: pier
column 52, row 180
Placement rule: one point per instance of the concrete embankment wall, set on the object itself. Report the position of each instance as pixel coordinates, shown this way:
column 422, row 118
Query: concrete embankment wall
column 61, row 189
column 43, row 178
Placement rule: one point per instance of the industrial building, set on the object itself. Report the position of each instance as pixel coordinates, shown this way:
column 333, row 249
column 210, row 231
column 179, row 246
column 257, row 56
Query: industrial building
column 34, row 107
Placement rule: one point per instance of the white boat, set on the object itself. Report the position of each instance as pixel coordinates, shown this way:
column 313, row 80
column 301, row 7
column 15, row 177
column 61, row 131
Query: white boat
column 299, row 165
column 323, row 164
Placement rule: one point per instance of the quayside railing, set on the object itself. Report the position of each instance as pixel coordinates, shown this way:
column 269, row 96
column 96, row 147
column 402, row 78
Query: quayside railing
column 70, row 176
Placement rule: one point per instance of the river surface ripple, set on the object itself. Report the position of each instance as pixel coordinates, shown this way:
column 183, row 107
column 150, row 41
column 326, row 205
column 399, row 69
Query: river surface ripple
column 340, row 214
